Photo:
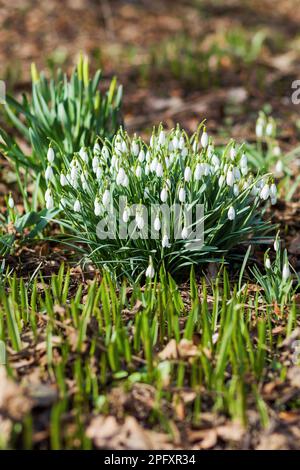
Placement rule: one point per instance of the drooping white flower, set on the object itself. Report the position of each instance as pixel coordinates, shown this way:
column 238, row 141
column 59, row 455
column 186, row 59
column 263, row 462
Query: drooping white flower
column 276, row 244
column 153, row 165
column 199, row 171
column 141, row 156
column 215, row 160
column 63, row 179
column 135, row 148
column 96, row 148
column 244, row 161
column 175, row 143
column 165, row 242
column 106, row 198
column 49, row 203
column 140, row 221
column 74, row 172
column 125, row 181
column 49, row 173
column 95, row 163
column 105, row 153
column 184, row 233
column 148, row 156
column 138, row 171
column 269, row 129
column 162, row 138
column 265, row 192
column 232, row 153
column 231, row 213
column 97, row 207
column 77, row 206
column 276, row 151
column 259, row 129
column 50, row 155
column 11, row 202
column 164, row 195
column 230, row 178
column 84, row 155
column 268, row 263
column 187, row 174
column 221, row 181
column 147, row 169
column 204, row 139
column 159, row 170
column 273, row 190
column 47, row 193
column 157, row 224
column 237, row 173
column 181, row 194
column 150, row 273
column 236, row 190
column 279, row 167
column 99, row 172
column 120, row 176
column 286, row 273
column 125, row 216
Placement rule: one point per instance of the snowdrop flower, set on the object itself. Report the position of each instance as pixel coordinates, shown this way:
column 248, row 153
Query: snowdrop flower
column 268, row 263
column 276, row 244
column 159, row 170
column 273, row 190
column 230, row 178
column 99, row 173
column 124, row 146
column 167, row 162
column 96, row 148
column 150, row 273
column 210, row 151
column 147, row 169
column 199, row 171
column 161, row 138
column 49, row 203
column 259, row 129
column 215, row 160
column 184, row 152
column 244, row 161
column 187, row 174
column 244, row 170
column 279, row 167
column 165, row 242
column 269, row 129
column 84, row 155
column 181, row 194
column 195, row 146
column 11, row 202
column 105, row 153
column 77, row 206
column 175, row 143
column 74, row 172
column 181, row 143
column 49, row 173
column 97, row 207
column 47, row 193
column 125, row 216
column 170, row 146
column 277, row 151
column 135, row 148
column 140, row 222
column 231, row 213
column 184, row 233
column 236, row 190
column 141, row 156
column 265, row 192
column 125, row 181
column 106, row 198
column 164, row 195
column 237, row 173
column 204, row 139
column 153, row 164
column 157, row 224
column 120, row 176
column 286, row 273
column 221, row 181
column 148, row 156
column 50, row 155
column 232, row 153
column 95, row 163
column 63, row 179
column 138, row 171
column 254, row 191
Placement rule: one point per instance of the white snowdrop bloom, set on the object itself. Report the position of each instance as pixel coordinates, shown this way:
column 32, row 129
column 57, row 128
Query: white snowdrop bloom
column 140, row 222
column 49, row 203
column 141, row 156
column 181, row 195
column 77, row 206
column 175, row 143
column 147, row 169
column 11, row 202
column 268, row 263
column 215, row 160
column 125, row 216
column 50, row 155
column 184, row 233
column 207, row 169
column 236, row 190
column 150, row 273
column 273, row 201
column 279, row 167
column 135, row 148
column 187, row 174
column 259, row 129
column 74, row 183
column 232, row 153
column 99, row 173
column 118, row 147
column 165, row 242
column 210, row 151
column 162, row 138
column 204, row 139
column 106, row 198
column 113, row 161
column 273, row 190
column 167, row 162
column 148, row 156
column 105, row 153
column 49, row 173
column 159, row 170
column 120, row 176
column 199, row 171
column 244, row 161
column 277, row 151
column 245, row 185
column 184, row 152
column 269, row 129
column 244, row 170
column 254, row 191
column 95, row 163
column 153, row 165
column 47, row 193
column 265, row 192
column 231, row 213
column 221, row 181
column 125, row 181
column 74, row 172
column 152, row 141
column 195, row 146
column 157, row 224
column 138, row 171
column 96, row 148
column 237, row 173
column 230, row 178
column 225, row 168
column 286, row 273
column 170, row 146
column 84, row 155
column 97, row 207
column 276, row 244
column 168, row 183
column 164, row 195
column 181, row 143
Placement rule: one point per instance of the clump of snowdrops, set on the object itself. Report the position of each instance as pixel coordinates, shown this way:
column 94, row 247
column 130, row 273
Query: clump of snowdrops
column 173, row 169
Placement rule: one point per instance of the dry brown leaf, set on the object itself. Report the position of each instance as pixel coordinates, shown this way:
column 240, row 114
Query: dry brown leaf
column 12, row 397
column 169, row 352
column 187, row 348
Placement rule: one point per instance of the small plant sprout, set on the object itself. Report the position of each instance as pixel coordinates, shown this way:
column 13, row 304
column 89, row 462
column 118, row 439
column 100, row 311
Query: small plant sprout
column 11, row 202
column 174, row 172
